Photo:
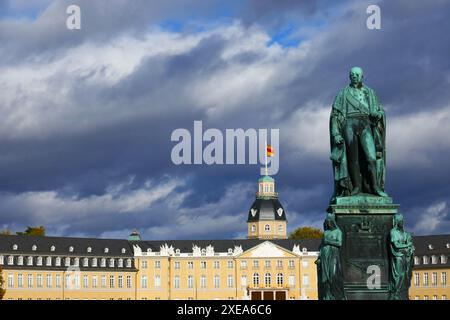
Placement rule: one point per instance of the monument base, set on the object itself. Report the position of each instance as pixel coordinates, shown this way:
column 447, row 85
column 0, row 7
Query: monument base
column 365, row 222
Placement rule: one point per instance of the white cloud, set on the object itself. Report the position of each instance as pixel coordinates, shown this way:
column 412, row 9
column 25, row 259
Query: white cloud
column 433, row 217
column 52, row 208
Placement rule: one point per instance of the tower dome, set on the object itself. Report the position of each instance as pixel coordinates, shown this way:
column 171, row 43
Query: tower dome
column 266, row 217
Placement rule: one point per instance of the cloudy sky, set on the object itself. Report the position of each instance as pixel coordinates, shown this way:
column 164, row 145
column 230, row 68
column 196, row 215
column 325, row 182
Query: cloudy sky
column 87, row 115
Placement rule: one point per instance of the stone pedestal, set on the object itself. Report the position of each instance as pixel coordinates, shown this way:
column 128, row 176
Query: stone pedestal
column 365, row 222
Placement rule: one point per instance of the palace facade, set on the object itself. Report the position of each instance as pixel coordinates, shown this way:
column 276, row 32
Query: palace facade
column 265, row 266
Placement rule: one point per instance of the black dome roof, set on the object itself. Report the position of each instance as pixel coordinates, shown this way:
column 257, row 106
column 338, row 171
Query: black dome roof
column 266, row 209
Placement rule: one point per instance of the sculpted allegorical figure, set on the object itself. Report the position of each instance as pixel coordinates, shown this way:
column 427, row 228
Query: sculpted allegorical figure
column 357, row 136
column 329, row 269
column 402, row 251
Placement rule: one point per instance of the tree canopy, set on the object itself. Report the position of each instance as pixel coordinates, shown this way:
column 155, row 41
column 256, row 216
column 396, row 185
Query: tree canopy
column 306, row 233
column 33, row 231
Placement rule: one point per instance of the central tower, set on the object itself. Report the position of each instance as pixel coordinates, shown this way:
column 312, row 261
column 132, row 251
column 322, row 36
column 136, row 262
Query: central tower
column 266, row 217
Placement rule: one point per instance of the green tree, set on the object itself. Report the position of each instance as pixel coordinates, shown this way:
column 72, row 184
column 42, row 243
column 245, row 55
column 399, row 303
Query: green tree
column 2, row 284
column 33, row 231
column 306, row 233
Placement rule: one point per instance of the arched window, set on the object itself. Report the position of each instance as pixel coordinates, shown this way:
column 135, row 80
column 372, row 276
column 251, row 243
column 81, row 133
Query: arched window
column 70, row 249
column 34, row 248
column 425, row 260
column 106, row 250
column 128, row 263
column 52, row 248
column 280, row 279
column 443, row 259
column 266, row 228
column 434, row 259
column 49, row 261
column 111, row 263
column 89, row 249
column 253, row 228
column 20, row 260
column 85, row 262
column 256, row 279
column 103, row 262
column 120, row 263
column 10, row 260
column 30, row 261
column 416, row 260
column 76, row 262
column 267, row 279
column 39, row 261
column 15, row 247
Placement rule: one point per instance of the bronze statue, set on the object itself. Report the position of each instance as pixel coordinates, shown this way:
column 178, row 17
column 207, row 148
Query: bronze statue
column 401, row 260
column 329, row 269
column 357, row 136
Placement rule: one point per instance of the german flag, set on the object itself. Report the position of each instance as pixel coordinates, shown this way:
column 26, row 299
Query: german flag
column 270, row 151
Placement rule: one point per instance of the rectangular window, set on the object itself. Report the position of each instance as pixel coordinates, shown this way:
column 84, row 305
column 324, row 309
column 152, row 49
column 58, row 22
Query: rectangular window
column 255, row 263
column 292, row 280
column 157, row 264
column 444, row 297
column 20, row 280
column 416, row 279
column 216, row 264
column 85, row 281
column 444, row 278
column 267, row 263
column 158, row 281
column 230, row 281
column 230, row 264
column 176, row 282
column 434, row 297
column 434, row 279
column 103, row 281
column 305, row 280
column 94, row 282
column 77, row 281
column 111, row 281
column 144, row 264
column 190, row 265
column 203, row 264
column 244, row 281
column 305, row 263
column 58, row 281
column 425, row 279
column 30, row 281
column 144, row 283
column 216, row 281
column 39, row 281
column 279, row 263
column 2, row 260
column 244, row 264
column 49, row 280
column 203, row 281
column 129, row 282
column 190, row 282
column 120, row 282
column 68, row 282
column 291, row 264
column 177, row 265
column 10, row 280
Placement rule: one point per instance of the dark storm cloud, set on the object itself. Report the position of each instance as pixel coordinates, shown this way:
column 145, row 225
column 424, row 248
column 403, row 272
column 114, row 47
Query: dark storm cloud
column 100, row 124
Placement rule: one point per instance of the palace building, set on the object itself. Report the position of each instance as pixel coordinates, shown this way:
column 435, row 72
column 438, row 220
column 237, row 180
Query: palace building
column 266, row 266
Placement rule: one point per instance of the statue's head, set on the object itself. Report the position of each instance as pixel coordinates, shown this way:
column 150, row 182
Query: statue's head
column 330, row 222
column 356, row 75
column 398, row 220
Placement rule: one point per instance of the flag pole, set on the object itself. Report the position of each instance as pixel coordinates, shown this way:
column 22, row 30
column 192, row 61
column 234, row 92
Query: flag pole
column 266, row 158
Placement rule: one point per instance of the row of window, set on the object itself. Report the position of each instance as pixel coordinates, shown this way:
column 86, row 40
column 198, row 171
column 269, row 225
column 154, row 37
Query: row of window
column 434, row 279
column 71, row 281
column 435, row 297
column 279, row 279
column 434, row 259
column 230, row 264
column 267, row 228
column 67, row 261
column 71, row 249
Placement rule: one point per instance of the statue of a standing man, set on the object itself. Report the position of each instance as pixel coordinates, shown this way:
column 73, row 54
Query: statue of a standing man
column 357, row 135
